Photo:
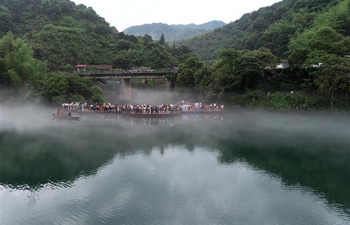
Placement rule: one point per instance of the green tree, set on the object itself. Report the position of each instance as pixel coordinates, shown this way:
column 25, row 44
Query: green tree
column 56, row 88
column 160, row 57
column 251, row 71
column 162, row 40
column 186, row 72
column 14, row 81
column 6, row 19
column 298, row 57
column 37, row 78
column 314, row 46
column 333, row 76
column 123, row 45
column 18, row 68
column 226, row 69
column 218, row 85
column 97, row 95
column 77, row 84
column 202, row 79
column 328, row 40
column 265, row 57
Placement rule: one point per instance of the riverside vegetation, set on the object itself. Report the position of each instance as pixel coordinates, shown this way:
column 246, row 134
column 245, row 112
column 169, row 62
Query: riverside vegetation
column 43, row 40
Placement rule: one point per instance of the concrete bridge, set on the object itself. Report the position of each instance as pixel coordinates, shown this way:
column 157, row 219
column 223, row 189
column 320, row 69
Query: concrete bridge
column 126, row 76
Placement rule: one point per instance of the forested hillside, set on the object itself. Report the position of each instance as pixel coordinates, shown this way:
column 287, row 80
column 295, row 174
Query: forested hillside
column 273, row 27
column 42, row 39
column 235, row 63
column 172, row 32
column 238, row 61
column 64, row 34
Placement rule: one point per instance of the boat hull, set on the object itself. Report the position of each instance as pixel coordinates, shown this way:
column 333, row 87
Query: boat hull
column 202, row 111
column 148, row 115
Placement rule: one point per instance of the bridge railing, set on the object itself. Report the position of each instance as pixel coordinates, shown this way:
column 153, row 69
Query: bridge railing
column 118, row 71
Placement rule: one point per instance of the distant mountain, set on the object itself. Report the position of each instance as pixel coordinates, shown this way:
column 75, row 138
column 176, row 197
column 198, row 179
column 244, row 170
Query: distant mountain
column 172, row 32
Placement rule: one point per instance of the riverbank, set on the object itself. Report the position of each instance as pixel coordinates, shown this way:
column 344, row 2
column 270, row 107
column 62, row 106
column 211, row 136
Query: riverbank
column 285, row 101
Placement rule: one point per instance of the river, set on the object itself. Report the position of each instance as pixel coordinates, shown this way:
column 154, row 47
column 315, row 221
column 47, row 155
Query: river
column 241, row 167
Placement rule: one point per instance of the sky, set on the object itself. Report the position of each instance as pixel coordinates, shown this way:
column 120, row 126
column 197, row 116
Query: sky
column 126, row 13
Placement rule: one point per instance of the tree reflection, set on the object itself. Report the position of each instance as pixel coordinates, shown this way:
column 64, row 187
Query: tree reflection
column 316, row 159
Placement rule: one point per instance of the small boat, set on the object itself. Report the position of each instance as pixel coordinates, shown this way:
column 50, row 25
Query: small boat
column 66, row 117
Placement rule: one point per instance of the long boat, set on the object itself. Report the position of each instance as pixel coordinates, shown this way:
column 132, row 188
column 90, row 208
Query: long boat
column 151, row 115
column 201, row 111
column 66, row 117
column 97, row 111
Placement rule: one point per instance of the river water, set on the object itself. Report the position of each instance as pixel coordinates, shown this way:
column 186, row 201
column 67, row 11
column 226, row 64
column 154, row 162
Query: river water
column 241, row 167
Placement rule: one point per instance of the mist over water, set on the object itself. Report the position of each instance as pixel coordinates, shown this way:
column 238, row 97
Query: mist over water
column 26, row 117
column 240, row 167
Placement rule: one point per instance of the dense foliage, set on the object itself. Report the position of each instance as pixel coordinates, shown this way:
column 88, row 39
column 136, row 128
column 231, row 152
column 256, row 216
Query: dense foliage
column 65, row 35
column 246, row 79
column 41, row 39
column 23, row 76
column 273, row 27
column 312, row 35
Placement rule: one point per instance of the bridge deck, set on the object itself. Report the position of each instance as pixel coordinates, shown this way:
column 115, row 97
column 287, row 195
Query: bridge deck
column 122, row 75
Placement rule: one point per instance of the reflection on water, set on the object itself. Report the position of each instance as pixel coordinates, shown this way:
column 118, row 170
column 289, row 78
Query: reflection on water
column 239, row 168
column 117, row 117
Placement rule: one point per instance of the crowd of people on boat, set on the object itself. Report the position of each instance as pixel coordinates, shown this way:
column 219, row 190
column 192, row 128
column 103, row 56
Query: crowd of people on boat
column 185, row 106
column 70, row 106
column 143, row 108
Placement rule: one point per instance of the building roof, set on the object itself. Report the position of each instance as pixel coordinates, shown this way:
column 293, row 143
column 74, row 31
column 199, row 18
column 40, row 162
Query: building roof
column 106, row 67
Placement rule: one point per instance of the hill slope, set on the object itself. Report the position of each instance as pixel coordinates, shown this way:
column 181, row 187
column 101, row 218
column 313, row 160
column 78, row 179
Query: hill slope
column 272, row 27
column 173, row 32
column 65, row 34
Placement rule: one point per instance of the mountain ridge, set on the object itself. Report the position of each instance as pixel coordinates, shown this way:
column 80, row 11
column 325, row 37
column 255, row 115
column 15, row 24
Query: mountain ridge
column 173, row 32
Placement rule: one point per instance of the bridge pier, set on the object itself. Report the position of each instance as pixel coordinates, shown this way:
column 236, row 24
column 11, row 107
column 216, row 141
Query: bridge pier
column 168, row 84
column 125, row 89
column 125, row 93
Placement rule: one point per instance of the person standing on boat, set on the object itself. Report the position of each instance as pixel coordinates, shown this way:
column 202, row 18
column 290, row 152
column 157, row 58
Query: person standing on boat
column 58, row 112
